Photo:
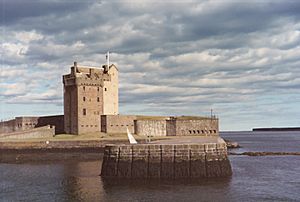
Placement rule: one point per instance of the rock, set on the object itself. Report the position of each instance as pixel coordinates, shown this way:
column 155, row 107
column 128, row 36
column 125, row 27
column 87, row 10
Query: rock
column 232, row 145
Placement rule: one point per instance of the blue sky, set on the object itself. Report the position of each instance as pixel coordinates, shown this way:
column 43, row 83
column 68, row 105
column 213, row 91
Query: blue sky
column 240, row 59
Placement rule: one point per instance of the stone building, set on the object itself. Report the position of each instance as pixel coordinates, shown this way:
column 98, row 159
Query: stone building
column 89, row 92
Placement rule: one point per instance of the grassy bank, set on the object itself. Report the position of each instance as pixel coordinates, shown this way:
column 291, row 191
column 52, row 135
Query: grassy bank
column 97, row 136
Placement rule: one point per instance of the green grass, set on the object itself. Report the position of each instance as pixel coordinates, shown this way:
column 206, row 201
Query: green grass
column 82, row 137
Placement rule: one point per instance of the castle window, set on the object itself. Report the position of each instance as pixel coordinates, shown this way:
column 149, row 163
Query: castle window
column 84, row 88
column 194, row 131
column 215, row 131
column 105, row 89
column 84, row 112
column 98, row 99
column 98, row 89
column 82, row 125
column 83, row 99
column 190, row 131
column 202, row 131
column 198, row 131
column 96, row 126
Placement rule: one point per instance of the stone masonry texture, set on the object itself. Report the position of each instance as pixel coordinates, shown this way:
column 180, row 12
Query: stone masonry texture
column 170, row 161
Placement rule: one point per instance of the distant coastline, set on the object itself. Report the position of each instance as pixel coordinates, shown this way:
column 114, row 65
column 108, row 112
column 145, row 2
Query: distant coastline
column 277, row 129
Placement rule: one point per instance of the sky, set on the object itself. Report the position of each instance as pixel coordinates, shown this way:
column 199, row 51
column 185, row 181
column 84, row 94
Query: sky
column 242, row 60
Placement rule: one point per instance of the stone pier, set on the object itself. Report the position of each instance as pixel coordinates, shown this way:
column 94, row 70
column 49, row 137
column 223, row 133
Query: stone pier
column 171, row 161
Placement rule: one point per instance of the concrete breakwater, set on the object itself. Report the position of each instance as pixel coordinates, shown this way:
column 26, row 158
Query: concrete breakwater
column 172, row 161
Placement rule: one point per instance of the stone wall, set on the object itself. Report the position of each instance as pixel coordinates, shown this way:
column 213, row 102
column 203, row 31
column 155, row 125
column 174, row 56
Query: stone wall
column 8, row 126
column 20, row 124
column 177, row 126
column 203, row 127
column 26, row 122
column 151, row 127
column 172, row 161
column 117, row 123
column 57, row 121
column 171, row 127
column 40, row 132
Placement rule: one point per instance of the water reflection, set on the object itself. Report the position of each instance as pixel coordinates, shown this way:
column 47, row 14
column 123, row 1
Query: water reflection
column 81, row 181
column 167, row 190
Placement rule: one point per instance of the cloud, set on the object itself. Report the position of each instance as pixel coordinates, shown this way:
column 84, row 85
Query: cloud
column 174, row 58
column 15, row 11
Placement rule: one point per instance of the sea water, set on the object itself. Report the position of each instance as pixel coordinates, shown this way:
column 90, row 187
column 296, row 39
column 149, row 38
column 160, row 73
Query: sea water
column 260, row 178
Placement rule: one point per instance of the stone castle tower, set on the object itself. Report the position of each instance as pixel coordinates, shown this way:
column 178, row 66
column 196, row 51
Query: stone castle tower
column 89, row 92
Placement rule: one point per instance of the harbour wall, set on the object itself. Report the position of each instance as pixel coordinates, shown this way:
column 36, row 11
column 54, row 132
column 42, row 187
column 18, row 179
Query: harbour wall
column 171, row 161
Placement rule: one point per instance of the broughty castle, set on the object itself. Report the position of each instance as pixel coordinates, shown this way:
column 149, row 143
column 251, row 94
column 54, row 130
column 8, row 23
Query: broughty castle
column 88, row 93
column 91, row 104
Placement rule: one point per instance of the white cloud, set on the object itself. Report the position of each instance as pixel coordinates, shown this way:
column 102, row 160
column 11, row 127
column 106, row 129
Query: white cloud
column 27, row 37
column 173, row 57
